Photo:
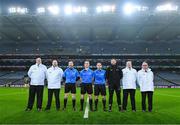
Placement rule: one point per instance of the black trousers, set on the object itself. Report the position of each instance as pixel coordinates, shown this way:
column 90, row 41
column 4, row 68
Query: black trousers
column 111, row 93
column 35, row 91
column 50, row 96
column 149, row 94
column 126, row 92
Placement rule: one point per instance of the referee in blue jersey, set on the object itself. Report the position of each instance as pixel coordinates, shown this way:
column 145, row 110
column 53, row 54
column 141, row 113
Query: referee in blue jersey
column 86, row 76
column 100, row 85
column 71, row 75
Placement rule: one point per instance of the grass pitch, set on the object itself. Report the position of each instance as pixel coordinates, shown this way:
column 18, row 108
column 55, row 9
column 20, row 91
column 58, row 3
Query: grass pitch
column 13, row 102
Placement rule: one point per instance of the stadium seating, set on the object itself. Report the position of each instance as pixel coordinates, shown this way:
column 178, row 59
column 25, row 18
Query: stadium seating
column 96, row 47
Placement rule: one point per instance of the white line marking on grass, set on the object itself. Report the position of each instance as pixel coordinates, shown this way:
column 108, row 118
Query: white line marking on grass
column 16, row 93
column 87, row 108
column 169, row 95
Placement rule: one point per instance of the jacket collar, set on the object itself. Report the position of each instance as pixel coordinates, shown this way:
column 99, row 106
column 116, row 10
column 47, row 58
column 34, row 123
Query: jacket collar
column 86, row 69
column 54, row 67
column 148, row 70
column 114, row 66
column 38, row 65
column 70, row 68
column 128, row 68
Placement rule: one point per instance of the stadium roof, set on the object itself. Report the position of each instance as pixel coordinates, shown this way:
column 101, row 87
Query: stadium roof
column 148, row 26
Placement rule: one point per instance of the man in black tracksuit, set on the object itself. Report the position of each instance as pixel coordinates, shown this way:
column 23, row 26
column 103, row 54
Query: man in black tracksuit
column 114, row 75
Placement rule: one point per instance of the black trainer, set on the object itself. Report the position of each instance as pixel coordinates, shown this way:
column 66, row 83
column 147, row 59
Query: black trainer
column 39, row 109
column 91, row 108
column 104, row 109
column 120, row 109
column 95, row 109
column 74, row 109
column 28, row 109
column 81, row 109
column 133, row 110
column 110, row 109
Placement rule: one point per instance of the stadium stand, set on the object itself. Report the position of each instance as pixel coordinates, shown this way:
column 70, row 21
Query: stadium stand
column 112, row 47
column 149, row 36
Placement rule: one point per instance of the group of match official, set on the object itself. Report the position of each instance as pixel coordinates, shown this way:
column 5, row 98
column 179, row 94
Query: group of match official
column 90, row 81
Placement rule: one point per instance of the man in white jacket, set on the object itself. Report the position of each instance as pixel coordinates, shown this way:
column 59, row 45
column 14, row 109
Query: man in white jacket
column 54, row 77
column 145, row 80
column 37, row 74
column 129, row 85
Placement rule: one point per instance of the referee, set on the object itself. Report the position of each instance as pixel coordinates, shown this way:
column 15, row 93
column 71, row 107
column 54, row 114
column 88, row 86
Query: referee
column 129, row 85
column 146, row 82
column 37, row 74
column 86, row 76
column 71, row 75
column 100, row 85
column 54, row 77
column 114, row 75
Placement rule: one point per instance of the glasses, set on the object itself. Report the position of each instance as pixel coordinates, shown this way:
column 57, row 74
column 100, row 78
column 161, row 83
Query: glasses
column 144, row 65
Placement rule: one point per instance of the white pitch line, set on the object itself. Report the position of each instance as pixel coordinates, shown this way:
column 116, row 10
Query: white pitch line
column 87, row 108
column 16, row 93
column 169, row 95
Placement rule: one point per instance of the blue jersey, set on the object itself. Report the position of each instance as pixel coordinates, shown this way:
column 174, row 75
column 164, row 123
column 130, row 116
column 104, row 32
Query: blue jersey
column 99, row 76
column 86, row 76
column 71, row 74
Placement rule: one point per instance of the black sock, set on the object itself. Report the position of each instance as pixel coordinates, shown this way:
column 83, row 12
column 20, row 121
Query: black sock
column 82, row 103
column 119, row 107
column 65, row 102
column 74, row 102
column 96, row 103
column 90, row 103
column 110, row 107
column 104, row 103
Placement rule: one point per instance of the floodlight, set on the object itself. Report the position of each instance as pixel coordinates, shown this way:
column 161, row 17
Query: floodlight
column 130, row 8
column 41, row 10
column 105, row 8
column 167, row 7
column 68, row 9
column 18, row 10
column 53, row 9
